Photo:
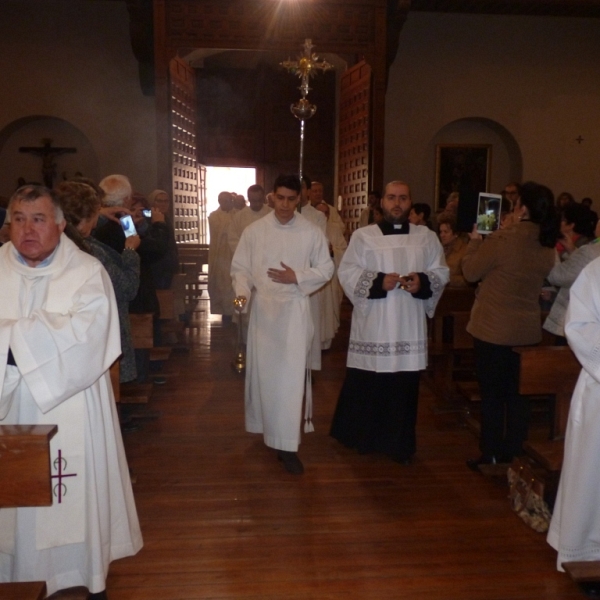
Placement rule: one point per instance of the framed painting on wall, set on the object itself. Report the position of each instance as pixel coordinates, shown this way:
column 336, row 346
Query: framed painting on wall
column 462, row 168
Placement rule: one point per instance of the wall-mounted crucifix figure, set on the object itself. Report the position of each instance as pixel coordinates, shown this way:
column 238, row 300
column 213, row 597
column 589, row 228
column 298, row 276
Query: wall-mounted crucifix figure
column 47, row 154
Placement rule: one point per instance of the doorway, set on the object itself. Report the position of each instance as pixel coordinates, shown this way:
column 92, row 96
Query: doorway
column 229, row 179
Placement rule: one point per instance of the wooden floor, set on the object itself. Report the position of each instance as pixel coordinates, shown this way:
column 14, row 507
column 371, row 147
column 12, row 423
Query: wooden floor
column 221, row 519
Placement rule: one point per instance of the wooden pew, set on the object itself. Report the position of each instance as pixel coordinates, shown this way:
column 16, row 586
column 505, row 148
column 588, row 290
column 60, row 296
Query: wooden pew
column 25, row 476
column 30, row 590
column 452, row 300
column 142, row 333
column 168, row 322
column 441, row 356
column 549, row 370
column 584, row 573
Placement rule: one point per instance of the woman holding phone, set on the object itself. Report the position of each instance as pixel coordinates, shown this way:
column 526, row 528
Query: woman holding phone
column 511, row 264
column 81, row 206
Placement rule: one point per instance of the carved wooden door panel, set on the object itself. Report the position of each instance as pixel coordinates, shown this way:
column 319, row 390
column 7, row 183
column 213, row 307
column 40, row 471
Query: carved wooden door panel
column 187, row 193
column 354, row 142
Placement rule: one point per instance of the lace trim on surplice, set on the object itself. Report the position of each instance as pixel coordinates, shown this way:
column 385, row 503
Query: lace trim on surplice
column 364, row 284
column 387, row 348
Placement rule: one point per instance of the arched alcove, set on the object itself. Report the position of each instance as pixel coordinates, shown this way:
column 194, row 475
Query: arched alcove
column 506, row 161
column 30, row 131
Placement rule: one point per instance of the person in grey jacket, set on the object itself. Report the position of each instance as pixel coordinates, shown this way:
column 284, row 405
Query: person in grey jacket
column 563, row 275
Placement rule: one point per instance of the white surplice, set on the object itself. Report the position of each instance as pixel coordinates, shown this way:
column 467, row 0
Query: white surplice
column 332, row 292
column 281, row 329
column 317, row 303
column 61, row 323
column 240, row 220
column 575, row 527
column 219, row 262
column 390, row 334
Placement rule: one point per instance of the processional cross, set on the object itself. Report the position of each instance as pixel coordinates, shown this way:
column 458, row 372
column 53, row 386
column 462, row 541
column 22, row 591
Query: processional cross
column 305, row 67
column 48, row 154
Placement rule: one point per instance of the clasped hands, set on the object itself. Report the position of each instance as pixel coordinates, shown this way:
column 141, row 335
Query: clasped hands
column 411, row 282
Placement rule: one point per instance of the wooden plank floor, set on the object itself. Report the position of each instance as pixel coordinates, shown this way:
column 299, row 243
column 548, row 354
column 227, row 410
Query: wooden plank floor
column 221, row 519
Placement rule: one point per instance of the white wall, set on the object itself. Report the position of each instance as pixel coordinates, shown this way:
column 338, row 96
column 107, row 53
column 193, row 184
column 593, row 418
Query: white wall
column 538, row 77
column 73, row 61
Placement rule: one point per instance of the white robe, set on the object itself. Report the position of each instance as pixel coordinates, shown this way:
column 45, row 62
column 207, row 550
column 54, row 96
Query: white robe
column 281, row 329
column 219, row 263
column 390, row 334
column 317, row 303
column 575, row 527
column 332, row 292
column 61, row 323
column 240, row 220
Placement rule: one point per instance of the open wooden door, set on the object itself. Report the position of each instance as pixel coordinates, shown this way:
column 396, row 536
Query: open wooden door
column 354, row 142
column 189, row 202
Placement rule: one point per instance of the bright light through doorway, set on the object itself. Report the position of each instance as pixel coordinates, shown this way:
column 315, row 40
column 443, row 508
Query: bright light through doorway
column 227, row 179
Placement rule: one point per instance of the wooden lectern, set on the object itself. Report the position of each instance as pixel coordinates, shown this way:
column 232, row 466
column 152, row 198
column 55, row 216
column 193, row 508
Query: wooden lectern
column 26, row 481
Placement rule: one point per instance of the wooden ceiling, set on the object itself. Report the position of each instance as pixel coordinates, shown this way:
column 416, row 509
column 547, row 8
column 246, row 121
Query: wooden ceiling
column 558, row 8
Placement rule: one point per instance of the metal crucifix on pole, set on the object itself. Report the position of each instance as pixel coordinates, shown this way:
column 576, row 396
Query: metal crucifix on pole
column 305, row 67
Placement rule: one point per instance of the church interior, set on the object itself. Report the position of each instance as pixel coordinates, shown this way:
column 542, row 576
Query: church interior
column 159, row 90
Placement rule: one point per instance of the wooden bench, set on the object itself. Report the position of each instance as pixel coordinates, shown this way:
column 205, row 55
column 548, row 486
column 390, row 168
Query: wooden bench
column 29, row 590
column 441, row 355
column 142, row 333
column 553, row 371
column 25, row 476
column 584, row 572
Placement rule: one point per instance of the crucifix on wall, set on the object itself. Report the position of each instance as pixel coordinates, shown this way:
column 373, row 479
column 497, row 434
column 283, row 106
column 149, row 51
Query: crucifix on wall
column 48, row 155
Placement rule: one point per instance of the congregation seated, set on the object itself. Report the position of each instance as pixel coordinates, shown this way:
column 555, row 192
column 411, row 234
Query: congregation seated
column 575, row 229
column 455, row 248
column 420, row 214
column 563, row 200
column 591, row 215
column 563, row 275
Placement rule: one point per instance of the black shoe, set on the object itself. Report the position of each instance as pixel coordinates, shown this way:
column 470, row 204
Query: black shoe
column 98, row 596
column 291, row 463
column 475, row 463
column 160, row 380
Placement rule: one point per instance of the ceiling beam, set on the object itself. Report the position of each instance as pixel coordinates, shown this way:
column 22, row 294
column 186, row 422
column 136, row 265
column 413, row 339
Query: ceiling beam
column 557, row 8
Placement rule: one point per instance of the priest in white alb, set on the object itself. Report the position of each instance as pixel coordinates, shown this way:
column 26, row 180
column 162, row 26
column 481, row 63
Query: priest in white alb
column 575, row 527
column 59, row 334
column 240, row 220
column 281, row 259
column 317, row 302
column 219, row 258
column 394, row 274
column 332, row 292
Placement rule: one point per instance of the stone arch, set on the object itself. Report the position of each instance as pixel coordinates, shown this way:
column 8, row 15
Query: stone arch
column 29, row 131
column 506, row 160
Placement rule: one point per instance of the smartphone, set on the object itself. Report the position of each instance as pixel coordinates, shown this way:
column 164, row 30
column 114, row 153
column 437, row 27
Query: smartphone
column 488, row 213
column 147, row 212
column 128, row 226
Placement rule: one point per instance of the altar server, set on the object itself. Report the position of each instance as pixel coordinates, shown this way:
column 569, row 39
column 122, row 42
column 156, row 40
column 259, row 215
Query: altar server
column 284, row 258
column 394, row 274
